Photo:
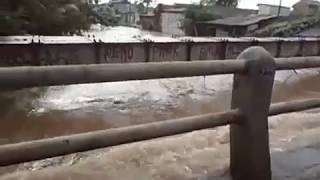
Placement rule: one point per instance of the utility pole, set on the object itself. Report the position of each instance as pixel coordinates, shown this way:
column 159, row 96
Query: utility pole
column 279, row 9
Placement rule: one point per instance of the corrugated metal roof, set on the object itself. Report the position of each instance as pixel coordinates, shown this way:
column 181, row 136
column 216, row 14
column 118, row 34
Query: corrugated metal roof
column 240, row 20
column 272, row 5
column 225, row 12
column 221, row 11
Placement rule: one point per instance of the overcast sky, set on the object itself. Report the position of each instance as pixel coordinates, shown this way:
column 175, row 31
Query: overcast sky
column 251, row 4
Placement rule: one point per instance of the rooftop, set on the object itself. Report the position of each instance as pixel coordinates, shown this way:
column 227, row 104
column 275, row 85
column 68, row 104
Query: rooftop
column 119, row 2
column 272, row 5
column 241, row 20
column 224, row 12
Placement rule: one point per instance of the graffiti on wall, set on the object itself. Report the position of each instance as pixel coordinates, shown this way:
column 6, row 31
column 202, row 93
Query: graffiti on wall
column 15, row 56
column 165, row 52
column 42, row 55
column 234, row 49
column 59, row 56
column 118, row 53
column 64, row 54
column 209, row 52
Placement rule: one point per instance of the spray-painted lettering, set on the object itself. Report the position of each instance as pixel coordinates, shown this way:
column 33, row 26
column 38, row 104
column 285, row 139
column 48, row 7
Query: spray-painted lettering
column 118, row 54
column 165, row 52
column 207, row 52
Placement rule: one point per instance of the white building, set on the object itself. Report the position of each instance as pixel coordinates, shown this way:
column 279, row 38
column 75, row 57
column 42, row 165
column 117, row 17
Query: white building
column 269, row 9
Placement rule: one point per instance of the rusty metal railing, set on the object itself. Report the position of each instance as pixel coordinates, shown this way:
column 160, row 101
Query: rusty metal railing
column 252, row 88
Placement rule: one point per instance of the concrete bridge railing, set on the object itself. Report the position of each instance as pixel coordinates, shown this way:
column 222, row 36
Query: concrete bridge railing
column 66, row 50
column 254, row 72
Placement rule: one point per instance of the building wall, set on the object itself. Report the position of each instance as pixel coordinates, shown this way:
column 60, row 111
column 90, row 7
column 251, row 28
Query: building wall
column 221, row 33
column 171, row 23
column 273, row 10
column 304, row 9
column 126, row 12
column 147, row 23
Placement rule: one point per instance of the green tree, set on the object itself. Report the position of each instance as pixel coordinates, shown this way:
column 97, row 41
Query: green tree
column 147, row 5
column 204, row 11
column 140, row 7
column 43, row 17
column 208, row 2
column 227, row 3
column 196, row 13
column 143, row 6
column 104, row 15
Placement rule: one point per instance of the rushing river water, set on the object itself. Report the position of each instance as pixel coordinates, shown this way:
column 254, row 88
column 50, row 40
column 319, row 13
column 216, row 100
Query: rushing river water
column 54, row 111
column 47, row 112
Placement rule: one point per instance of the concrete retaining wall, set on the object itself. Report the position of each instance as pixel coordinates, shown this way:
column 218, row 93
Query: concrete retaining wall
column 19, row 51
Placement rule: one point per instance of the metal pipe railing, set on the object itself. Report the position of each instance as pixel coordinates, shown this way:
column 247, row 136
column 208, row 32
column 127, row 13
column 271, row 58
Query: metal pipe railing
column 46, row 148
column 297, row 63
column 25, row 77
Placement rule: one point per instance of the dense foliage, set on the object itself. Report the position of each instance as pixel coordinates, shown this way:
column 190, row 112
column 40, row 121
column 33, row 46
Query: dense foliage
column 200, row 13
column 196, row 13
column 288, row 28
column 44, row 17
column 204, row 11
column 225, row 3
column 143, row 6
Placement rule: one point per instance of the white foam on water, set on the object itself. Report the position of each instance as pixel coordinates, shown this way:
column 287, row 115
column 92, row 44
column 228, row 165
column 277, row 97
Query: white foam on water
column 159, row 92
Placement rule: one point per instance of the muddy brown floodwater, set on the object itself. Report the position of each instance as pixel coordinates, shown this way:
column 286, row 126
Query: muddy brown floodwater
column 38, row 113
column 48, row 112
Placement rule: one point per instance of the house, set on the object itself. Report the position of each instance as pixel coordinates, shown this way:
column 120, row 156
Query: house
column 126, row 11
column 306, row 7
column 225, row 12
column 269, row 9
column 242, row 24
column 236, row 26
column 147, row 22
column 168, row 18
column 165, row 18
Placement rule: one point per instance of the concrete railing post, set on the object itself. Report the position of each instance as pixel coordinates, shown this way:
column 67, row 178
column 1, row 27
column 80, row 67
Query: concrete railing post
column 249, row 140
